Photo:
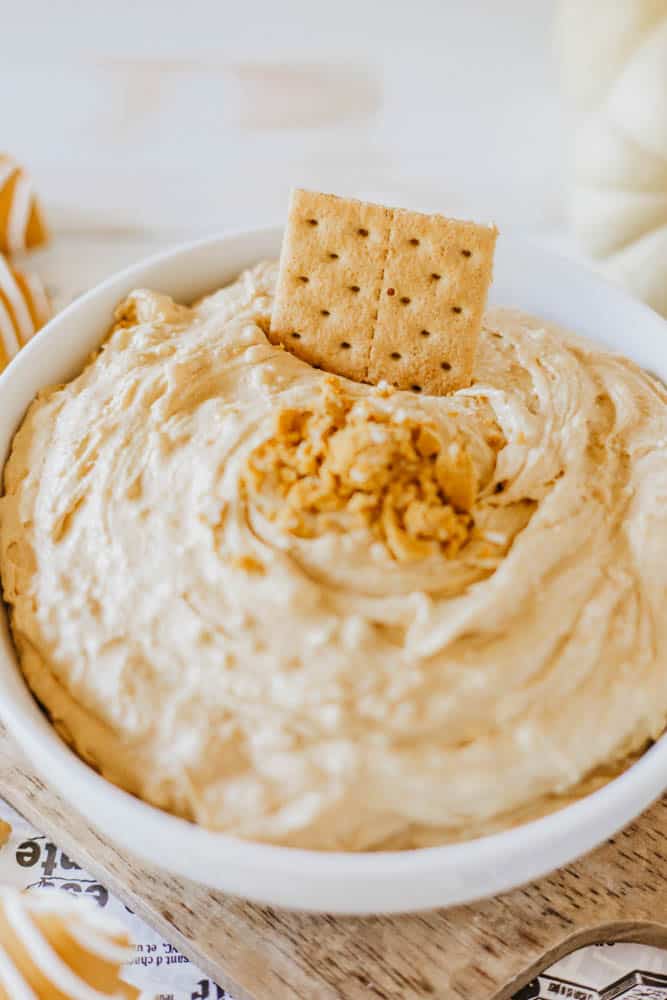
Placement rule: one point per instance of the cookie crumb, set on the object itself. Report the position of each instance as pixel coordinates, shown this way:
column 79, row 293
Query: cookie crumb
column 344, row 461
column 249, row 564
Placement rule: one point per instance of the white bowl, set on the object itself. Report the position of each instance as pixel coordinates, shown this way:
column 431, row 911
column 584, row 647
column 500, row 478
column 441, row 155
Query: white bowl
column 384, row 882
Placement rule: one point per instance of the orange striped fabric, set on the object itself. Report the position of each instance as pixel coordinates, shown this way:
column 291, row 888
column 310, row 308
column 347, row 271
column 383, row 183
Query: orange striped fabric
column 22, row 224
column 24, row 308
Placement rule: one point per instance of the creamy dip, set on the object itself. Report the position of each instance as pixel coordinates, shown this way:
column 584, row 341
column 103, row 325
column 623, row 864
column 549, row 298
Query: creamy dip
column 318, row 613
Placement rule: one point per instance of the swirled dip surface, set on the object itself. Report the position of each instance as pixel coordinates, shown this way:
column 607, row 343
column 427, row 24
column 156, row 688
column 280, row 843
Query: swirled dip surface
column 311, row 612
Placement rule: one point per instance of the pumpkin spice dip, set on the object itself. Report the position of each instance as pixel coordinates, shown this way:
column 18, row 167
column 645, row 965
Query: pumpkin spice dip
column 318, row 613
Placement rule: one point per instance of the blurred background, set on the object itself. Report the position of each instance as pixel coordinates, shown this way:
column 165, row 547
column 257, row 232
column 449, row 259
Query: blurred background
column 144, row 123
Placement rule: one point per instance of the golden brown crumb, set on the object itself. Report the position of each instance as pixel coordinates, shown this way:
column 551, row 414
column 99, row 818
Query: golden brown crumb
column 411, row 487
column 125, row 314
column 249, row 564
column 264, row 323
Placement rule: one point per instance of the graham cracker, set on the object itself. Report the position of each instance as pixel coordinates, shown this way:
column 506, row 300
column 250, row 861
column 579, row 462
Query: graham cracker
column 379, row 294
column 331, row 267
column 436, row 277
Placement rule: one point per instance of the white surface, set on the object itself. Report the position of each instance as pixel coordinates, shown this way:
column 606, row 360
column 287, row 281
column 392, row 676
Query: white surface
column 382, row 882
column 184, row 118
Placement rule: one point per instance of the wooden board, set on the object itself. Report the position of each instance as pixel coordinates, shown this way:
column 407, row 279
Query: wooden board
column 484, row 951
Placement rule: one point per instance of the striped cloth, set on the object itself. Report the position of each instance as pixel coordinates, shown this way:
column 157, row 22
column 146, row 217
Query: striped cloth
column 24, row 304
column 24, row 308
column 22, row 225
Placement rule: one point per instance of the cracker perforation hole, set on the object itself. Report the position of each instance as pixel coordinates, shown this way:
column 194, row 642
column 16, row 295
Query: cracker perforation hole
column 354, row 288
column 391, row 291
column 362, row 232
column 466, row 253
column 345, row 345
column 312, row 222
column 457, row 309
column 416, row 388
column 295, row 336
column 435, row 277
column 395, row 355
column 414, row 241
column 324, row 312
column 333, row 256
column 446, row 366
column 405, row 300
column 304, row 278
column 425, row 333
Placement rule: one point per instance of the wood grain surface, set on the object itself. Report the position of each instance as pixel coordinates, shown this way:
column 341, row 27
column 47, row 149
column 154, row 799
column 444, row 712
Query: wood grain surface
column 484, row 951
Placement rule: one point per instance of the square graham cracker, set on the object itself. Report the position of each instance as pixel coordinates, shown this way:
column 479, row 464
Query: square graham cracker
column 378, row 294
column 436, row 277
column 331, row 268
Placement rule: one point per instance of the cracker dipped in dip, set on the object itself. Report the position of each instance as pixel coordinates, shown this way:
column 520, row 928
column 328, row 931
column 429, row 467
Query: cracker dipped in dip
column 318, row 613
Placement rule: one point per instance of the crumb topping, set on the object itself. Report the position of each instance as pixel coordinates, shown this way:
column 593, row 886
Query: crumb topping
column 345, row 462
column 248, row 564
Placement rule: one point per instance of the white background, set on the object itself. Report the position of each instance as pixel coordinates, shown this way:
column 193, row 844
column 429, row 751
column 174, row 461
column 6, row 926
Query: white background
column 177, row 118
